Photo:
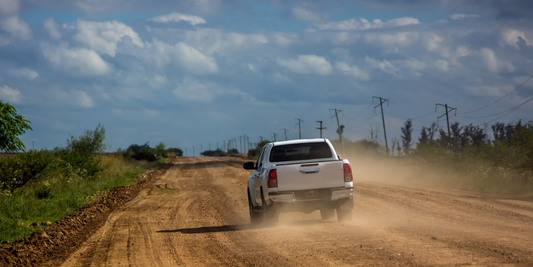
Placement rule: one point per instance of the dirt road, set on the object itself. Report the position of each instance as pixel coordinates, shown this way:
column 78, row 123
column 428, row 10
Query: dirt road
column 197, row 214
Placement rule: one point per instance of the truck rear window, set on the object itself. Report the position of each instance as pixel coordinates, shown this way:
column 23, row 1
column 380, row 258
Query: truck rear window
column 304, row 151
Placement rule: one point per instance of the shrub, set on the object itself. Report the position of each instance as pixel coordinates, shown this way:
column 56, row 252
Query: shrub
column 17, row 171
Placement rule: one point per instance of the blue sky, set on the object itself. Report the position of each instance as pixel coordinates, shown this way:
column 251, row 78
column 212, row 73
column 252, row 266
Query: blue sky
column 194, row 73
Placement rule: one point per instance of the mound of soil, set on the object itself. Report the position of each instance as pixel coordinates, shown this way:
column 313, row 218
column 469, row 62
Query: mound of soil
column 52, row 247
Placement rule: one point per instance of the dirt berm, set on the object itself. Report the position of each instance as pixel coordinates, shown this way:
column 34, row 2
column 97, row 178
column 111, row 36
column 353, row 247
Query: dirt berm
column 62, row 238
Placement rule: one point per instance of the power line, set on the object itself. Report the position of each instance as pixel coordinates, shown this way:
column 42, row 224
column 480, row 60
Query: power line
column 499, row 98
column 361, row 112
column 510, row 111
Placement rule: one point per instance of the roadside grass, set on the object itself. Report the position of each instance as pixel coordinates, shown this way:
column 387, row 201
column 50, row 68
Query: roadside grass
column 52, row 198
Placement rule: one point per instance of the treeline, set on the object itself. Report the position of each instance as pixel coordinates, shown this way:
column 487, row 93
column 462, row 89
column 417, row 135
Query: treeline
column 145, row 152
column 510, row 146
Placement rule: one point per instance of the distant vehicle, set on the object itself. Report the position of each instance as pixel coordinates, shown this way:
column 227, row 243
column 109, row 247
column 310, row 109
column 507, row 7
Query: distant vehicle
column 301, row 175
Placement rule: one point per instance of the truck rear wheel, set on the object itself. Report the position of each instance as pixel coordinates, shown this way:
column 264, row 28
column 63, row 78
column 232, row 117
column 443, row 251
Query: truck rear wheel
column 344, row 215
column 255, row 217
column 327, row 213
column 270, row 215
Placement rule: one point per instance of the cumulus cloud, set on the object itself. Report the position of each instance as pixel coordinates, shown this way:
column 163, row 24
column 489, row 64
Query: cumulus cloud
column 353, row 71
column 177, row 17
column 307, row 64
column 303, row 12
column 103, row 37
column 83, row 99
column 76, row 61
column 73, row 98
column 193, row 90
column 512, row 36
column 385, row 65
column 182, row 55
column 52, row 27
column 462, row 16
column 363, row 24
column 9, row 7
column 212, row 41
column 16, row 26
column 492, row 63
column 442, row 65
column 10, row 94
column 24, row 73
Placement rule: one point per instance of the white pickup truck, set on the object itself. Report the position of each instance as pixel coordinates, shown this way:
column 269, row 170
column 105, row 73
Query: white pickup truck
column 301, row 175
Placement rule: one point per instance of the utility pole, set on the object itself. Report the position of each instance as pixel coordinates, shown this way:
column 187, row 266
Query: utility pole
column 448, row 109
column 339, row 128
column 381, row 101
column 240, row 142
column 285, row 131
column 321, row 128
column 299, row 128
column 274, row 136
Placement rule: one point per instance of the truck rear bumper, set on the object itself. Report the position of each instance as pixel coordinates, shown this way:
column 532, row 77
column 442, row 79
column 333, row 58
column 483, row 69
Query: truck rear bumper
column 308, row 201
column 311, row 195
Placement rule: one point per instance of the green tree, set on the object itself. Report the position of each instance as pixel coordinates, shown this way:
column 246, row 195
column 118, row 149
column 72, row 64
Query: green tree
column 11, row 126
column 407, row 132
column 91, row 142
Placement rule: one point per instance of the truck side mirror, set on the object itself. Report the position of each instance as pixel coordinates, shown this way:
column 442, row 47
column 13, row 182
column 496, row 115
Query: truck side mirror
column 249, row 166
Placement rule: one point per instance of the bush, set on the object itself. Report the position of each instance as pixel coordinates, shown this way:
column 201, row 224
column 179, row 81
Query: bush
column 17, row 171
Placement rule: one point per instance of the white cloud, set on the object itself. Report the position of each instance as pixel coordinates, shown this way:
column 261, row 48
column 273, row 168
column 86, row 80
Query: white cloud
column 74, row 98
column 490, row 60
column 10, row 94
column 385, row 65
column 181, row 54
column 462, row 16
column 511, row 36
column 103, row 37
column 176, row 17
column 76, row 61
column 9, row 7
column 83, row 99
column 307, row 64
column 280, row 78
column 353, row 71
column 302, row 13
column 363, row 24
column 17, row 27
column 24, row 73
column 52, row 27
column 392, row 41
column 194, row 91
column 212, row 41
column 442, row 65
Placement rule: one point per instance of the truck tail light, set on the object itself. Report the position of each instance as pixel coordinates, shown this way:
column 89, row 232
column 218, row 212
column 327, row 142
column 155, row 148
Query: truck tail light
column 272, row 178
column 348, row 177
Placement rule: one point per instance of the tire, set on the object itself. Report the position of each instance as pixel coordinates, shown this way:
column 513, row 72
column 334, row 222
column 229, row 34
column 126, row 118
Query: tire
column 327, row 213
column 344, row 215
column 270, row 215
column 255, row 217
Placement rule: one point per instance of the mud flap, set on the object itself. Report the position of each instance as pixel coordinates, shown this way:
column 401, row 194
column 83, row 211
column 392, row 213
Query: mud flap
column 346, row 204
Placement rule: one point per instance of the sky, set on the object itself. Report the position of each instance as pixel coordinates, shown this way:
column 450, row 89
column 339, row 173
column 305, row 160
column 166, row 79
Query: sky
column 201, row 72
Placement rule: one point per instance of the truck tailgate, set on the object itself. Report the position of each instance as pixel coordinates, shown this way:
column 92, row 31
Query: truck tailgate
column 302, row 176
